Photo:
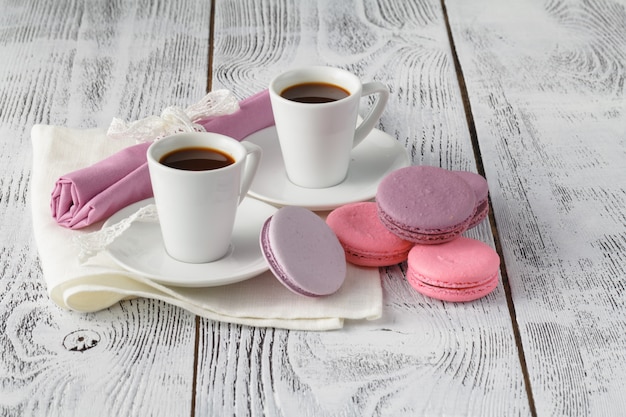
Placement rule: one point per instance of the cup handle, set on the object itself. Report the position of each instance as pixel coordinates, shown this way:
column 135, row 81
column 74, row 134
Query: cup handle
column 375, row 112
column 253, row 158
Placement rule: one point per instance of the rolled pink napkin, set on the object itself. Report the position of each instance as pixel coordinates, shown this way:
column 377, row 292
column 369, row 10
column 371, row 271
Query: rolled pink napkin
column 94, row 193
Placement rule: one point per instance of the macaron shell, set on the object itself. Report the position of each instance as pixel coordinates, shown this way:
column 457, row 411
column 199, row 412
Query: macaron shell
column 481, row 214
column 454, row 294
column 418, row 201
column 481, row 190
column 374, row 260
column 427, row 239
column 461, row 269
column 477, row 182
column 303, row 252
column 366, row 241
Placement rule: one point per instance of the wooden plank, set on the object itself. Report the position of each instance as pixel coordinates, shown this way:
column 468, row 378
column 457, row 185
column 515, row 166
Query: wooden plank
column 80, row 64
column 423, row 357
column 546, row 84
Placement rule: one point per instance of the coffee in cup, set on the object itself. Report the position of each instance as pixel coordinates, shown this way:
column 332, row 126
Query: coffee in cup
column 197, row 159
column 314, row 93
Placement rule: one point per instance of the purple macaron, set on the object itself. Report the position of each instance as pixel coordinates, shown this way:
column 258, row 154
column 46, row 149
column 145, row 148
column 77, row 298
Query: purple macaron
column 481, row 191
column 426, row 205
column 303, row 252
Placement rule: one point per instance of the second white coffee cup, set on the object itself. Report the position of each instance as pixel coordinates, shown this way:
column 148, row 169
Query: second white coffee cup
column 197, row 208
column 316, row 110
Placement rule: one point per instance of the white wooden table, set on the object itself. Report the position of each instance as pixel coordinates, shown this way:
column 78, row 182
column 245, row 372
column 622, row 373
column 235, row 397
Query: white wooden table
column 530, row 93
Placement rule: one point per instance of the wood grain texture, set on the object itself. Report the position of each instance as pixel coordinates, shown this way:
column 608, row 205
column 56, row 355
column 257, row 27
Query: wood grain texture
column 550, row 114
column 546, row 83
column 79, row 64
column 424, row 357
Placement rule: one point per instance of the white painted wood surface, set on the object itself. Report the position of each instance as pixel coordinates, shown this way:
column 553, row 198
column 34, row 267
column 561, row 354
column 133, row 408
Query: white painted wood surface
column 545, row 82
column 549, row 106
column 422, row 350
column 79, row 64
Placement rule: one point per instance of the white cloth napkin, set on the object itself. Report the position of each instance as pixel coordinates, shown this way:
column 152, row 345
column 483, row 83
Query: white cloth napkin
column 100, row 283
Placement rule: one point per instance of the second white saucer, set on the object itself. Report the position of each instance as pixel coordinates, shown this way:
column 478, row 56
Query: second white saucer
column 372, row 160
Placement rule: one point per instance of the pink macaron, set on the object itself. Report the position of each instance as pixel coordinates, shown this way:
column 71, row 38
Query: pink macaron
column 303, row 252
column 424, row 204
column 481, row 191
column 365, row 240
column 460, row 270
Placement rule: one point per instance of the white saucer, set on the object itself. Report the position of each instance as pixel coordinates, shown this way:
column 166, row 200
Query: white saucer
column 140, row 249
column 372, row 160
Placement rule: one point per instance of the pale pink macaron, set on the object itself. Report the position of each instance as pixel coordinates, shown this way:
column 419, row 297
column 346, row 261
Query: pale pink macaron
column 303, row 252
column 365, row 240
column 463, row 269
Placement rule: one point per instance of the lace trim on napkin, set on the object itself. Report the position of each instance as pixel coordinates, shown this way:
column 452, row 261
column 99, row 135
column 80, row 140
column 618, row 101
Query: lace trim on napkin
column 91, row 244
column 173, row 119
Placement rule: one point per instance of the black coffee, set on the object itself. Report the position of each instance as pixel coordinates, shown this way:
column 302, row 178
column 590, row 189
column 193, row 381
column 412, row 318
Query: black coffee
column 196, row 159
column 314, row 93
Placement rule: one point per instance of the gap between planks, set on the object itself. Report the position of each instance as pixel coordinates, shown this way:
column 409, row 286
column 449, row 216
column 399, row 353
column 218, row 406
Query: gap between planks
column 198, row 321
column 196, row 363
column 494, row 227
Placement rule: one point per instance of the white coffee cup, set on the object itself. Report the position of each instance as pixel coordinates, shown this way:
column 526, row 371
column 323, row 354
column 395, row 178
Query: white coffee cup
column 197, row 209
column 316, row 138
